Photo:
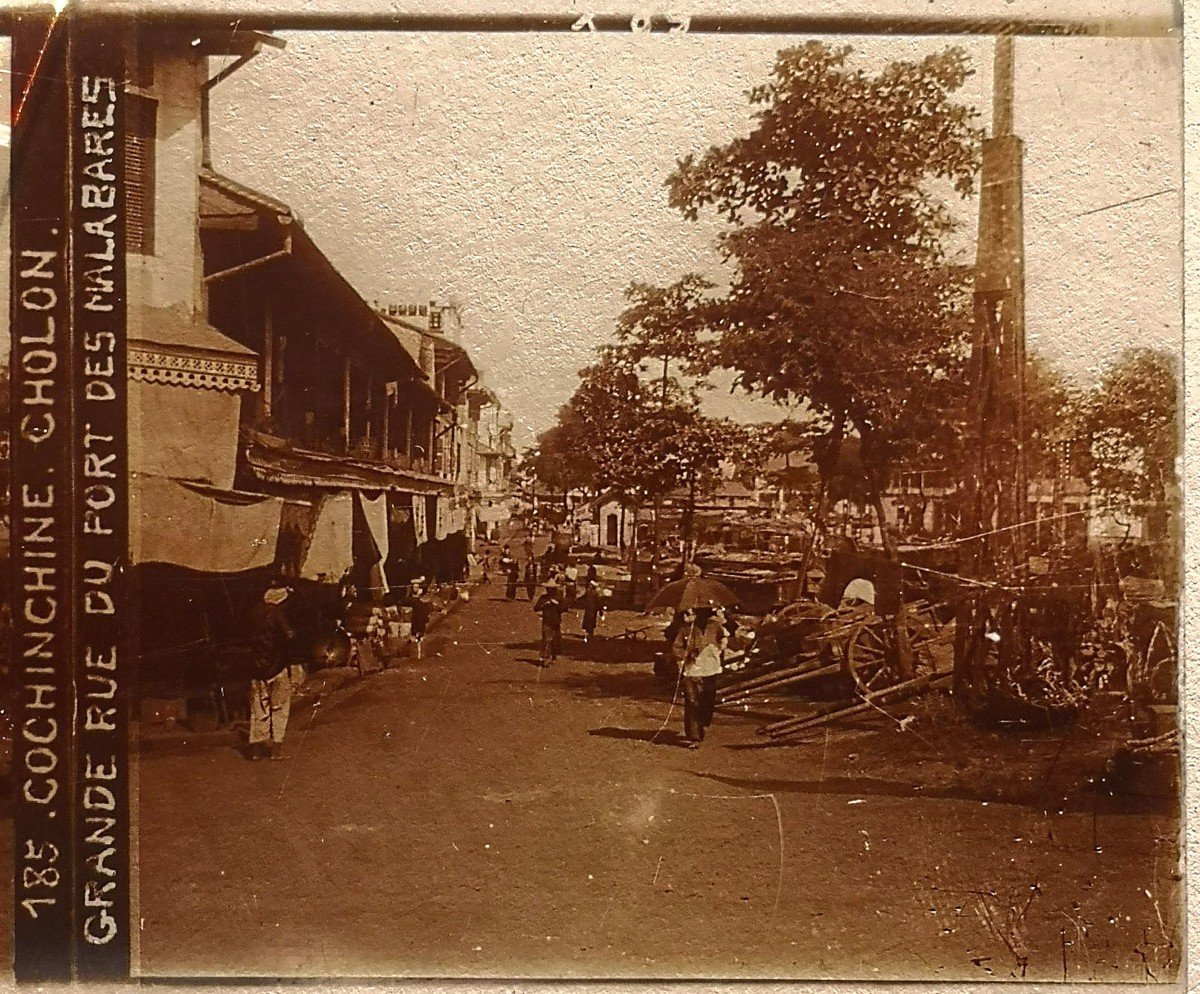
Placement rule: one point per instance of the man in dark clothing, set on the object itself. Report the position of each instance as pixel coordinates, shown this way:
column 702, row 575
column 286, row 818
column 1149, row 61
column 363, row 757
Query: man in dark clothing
column 273, row 644
column 531, row 577
column 421, row 604
column 550, row 607
column 592, row 605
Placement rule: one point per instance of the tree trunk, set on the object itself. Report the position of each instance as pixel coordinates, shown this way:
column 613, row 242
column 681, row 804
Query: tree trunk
column 836, row 433
column 654, row 536
column 689, row 522
column 818, row 529
column 905, row 660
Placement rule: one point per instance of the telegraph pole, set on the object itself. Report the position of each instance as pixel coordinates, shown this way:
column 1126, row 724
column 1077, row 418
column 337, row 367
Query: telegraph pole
column 996, row 487
column 1000, row 485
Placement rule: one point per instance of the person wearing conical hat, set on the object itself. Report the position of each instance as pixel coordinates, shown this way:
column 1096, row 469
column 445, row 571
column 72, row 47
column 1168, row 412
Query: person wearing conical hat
column 550, row 607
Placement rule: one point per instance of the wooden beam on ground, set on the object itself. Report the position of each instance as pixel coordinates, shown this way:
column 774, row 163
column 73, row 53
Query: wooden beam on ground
column 900, row 691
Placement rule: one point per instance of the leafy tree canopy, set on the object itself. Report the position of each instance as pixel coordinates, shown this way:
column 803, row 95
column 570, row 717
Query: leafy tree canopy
column 1132, row 418
column 841, row 297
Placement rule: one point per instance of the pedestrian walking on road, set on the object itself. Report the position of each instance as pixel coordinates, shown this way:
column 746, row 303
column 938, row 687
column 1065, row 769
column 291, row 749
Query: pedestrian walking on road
column 592, row 604
column 421, row 604
column 706, row 639
column 274, row 645
column 550, row 607
column 531, row 577
column 511, row 570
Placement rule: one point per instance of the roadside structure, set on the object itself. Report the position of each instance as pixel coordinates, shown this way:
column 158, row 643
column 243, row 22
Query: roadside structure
column 472, row 441
column 277, row 421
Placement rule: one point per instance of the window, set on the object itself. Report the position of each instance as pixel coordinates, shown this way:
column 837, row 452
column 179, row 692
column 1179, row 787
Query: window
column 141, row 131
column 140, row 60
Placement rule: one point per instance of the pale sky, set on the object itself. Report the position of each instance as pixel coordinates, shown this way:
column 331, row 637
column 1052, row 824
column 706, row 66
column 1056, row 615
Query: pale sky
column 522, row 176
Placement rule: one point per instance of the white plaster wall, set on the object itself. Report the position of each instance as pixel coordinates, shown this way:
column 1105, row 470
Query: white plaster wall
column 172, row 276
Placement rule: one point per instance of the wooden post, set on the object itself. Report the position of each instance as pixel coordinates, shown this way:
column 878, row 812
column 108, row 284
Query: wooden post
column 996, row 484
column 268, row 365
column 389, row 403
column 346, row 403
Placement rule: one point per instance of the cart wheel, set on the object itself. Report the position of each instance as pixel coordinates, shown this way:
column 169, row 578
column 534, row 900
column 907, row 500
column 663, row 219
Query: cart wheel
column 870, row 654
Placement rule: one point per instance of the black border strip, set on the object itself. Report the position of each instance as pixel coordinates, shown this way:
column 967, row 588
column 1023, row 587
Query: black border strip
column 96, row 122
column 40, row 506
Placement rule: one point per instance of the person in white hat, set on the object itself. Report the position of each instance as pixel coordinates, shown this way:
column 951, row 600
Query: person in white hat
column 274, row 645
column 592, row 604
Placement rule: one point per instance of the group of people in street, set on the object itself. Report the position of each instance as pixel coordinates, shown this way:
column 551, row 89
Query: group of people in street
column 697, row 640
column 277, row 650
column 562, row 591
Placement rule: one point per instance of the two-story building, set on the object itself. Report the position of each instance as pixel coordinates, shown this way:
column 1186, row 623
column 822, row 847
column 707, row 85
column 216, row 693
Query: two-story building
column 492, row 459
column 276, row 421
column 472, row 439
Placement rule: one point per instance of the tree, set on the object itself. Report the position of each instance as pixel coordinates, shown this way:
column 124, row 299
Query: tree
column 1132, row 420
column 663, row 325
column 560, row 460
column 841, row 296
column 1052, row 416
column 625, row 432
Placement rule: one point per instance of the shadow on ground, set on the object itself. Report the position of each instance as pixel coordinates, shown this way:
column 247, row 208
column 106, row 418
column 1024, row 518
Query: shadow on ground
column 638, row 685
column 602, row 650
column 1081, row 797
column 655, row 736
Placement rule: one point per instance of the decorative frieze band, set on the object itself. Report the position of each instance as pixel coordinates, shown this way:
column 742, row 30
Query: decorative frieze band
column 205, row 372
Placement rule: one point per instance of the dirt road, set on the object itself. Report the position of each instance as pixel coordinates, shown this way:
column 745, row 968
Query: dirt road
column 470, row 814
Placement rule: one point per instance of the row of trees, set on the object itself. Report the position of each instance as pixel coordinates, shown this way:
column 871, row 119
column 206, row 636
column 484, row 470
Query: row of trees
column 842, row 303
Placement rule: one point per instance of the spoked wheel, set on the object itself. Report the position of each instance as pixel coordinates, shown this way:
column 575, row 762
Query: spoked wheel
column 871, row 657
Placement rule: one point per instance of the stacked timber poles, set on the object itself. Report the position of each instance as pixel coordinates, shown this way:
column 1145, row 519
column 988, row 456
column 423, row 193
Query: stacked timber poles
column 852, row 643
column 869, row 702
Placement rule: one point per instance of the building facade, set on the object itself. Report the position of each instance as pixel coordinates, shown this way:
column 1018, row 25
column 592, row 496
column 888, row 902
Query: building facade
column 277, row 421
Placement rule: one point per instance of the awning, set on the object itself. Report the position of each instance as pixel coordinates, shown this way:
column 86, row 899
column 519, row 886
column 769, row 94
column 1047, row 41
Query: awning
column 330, row 549
column 239, row 225
column 168, row 345
column 200, row 527
column 274, row 461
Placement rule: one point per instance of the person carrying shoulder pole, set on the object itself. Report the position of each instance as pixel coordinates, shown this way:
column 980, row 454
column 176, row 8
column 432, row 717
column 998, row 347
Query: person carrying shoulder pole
column 701, row 667
column 550, row 607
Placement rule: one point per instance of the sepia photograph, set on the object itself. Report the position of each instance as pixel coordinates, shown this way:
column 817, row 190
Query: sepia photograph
column 553, row 495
